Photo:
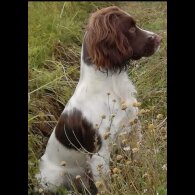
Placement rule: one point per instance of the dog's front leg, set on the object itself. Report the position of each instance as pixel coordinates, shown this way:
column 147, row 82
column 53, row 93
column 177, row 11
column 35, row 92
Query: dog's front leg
column 99, row 164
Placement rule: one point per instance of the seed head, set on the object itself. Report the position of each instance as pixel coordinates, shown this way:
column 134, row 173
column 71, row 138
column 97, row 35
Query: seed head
column 159, row 116
column 134, row 150
column 145, row 190
column 150, row 126
column 136, row 104
column 113, row 115
column 78, row 177
column 145, row 121
column 135, row 121
column 114, row 145
column 124, row 141
column 124, row 106
column 123, row 126
column 114, row 175
column 164, row 167
column 138, row 144
column 122, row 134
column 98, row 184
column 163, row 129
column 131, row 122
column 127, row 148
column 96, row 126
column 147, row 110
column 145, row 175
column 40, row 190
column 142, row 111
column 116, row 170
column 119, row 157
column 99, row 167
column 128, row 162
column 103, row 116
column 63, row 163
column 106, row 135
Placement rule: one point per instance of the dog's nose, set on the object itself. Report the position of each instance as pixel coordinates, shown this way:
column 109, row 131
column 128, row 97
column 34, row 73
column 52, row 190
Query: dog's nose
column 158, row 39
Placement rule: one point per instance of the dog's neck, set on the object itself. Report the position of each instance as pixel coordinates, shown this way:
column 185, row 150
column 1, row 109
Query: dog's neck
column 98, row 81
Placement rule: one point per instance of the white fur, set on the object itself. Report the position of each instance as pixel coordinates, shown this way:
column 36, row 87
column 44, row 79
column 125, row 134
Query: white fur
column 146, row 31
column 91, row 98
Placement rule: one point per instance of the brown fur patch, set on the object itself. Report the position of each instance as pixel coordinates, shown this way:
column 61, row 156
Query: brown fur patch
column 75, row 132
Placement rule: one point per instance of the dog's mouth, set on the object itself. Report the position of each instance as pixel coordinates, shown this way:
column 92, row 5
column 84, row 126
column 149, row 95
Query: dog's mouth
column 152, row 46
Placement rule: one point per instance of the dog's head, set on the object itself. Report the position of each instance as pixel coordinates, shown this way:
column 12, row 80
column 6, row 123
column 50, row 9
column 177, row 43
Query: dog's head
column 112, row 38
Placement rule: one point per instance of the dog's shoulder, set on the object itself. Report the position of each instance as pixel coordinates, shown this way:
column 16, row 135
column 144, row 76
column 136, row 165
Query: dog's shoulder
column 74, row 131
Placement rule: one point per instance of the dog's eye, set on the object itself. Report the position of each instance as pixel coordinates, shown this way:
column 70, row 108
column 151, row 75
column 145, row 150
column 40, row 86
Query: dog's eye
column 132, row 29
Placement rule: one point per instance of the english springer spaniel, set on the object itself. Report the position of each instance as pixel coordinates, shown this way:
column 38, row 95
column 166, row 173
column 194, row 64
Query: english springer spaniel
column 78, row 150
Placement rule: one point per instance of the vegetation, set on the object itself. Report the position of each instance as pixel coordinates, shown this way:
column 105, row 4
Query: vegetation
column 55, row 37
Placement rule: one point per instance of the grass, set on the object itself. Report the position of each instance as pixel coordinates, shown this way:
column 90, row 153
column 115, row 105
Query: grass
column 55, row 37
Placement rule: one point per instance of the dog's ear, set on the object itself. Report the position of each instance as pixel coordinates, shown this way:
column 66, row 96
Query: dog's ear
column 107, row 45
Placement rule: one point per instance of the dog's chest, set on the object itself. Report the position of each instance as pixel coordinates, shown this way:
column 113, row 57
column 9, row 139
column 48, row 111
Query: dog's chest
column 115, row 117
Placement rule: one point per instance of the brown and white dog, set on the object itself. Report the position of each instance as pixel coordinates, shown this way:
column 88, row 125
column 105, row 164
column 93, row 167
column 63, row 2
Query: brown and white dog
column 77, row 147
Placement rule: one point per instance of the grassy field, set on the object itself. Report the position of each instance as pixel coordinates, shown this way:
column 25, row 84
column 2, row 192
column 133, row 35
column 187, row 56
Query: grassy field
column 54, row 42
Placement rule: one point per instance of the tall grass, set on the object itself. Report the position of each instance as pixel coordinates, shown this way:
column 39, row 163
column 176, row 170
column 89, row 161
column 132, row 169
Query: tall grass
column 55, row 37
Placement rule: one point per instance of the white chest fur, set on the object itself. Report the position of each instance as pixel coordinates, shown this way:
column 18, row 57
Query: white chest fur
column 99, row 94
